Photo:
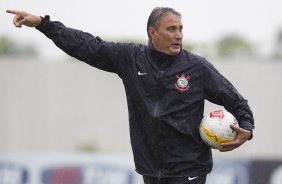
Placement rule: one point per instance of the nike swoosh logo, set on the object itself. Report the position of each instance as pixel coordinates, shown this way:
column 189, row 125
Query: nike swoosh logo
column 192, row 178
column 140, row 73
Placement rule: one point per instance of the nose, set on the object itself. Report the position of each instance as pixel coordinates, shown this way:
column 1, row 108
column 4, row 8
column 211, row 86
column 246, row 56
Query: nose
column 178, row 35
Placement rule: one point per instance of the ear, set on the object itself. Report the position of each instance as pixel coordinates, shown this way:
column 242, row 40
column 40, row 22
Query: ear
column 152, row 32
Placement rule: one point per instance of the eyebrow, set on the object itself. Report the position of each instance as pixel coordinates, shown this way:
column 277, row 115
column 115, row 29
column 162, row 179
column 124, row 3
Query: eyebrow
column 174, row 26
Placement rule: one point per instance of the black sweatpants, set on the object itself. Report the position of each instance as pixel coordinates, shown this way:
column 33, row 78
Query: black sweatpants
column 178, row 180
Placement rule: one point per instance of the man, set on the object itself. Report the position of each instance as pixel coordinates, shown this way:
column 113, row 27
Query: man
column 165, row 87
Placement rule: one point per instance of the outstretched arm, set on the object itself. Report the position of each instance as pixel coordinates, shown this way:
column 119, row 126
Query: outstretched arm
column 84, row 46
column 24, row 18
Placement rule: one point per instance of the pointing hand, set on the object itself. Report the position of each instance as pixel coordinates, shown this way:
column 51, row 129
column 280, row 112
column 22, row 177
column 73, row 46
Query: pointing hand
column 24, row 18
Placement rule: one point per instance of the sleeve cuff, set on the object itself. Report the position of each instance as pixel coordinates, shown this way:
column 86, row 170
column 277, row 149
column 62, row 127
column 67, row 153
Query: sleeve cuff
column 248, row 126
column 42, row 24
column 252, row 135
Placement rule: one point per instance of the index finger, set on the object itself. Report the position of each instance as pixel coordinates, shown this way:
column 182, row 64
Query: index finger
column 236, row 128
column 15, row 12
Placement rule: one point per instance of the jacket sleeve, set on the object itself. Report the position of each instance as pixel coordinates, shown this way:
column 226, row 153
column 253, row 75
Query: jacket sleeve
column 84, row 46
column 220, row 91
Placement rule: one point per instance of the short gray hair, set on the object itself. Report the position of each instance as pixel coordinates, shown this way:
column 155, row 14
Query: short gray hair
column 156, row 15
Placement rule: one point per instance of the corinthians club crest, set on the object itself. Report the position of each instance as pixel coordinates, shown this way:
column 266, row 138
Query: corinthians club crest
column 182, row 83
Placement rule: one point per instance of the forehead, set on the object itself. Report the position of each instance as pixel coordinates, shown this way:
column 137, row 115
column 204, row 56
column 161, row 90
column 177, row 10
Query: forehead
column 170, row 19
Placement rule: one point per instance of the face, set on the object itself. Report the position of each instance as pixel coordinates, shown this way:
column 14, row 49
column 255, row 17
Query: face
column 167, row 38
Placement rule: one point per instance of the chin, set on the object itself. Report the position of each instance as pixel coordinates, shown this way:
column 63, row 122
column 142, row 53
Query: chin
column 175, row 51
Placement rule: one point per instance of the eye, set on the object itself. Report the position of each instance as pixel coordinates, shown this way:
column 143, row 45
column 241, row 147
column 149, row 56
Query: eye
column 171, row 28
column 175, row 28
column 180, row 28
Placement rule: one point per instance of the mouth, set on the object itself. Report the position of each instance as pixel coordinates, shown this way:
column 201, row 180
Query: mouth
column 176, row 45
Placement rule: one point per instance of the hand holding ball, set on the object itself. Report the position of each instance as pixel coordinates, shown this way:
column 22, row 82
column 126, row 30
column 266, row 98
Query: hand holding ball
column 215, row 128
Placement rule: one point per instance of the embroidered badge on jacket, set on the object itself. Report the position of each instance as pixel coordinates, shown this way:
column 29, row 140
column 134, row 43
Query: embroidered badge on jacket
column 182, row 83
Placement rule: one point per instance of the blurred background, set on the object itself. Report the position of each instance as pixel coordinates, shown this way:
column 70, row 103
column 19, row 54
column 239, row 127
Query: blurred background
column 56, row 111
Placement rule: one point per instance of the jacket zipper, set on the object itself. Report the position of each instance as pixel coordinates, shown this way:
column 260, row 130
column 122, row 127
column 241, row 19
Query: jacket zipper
column 156, row 111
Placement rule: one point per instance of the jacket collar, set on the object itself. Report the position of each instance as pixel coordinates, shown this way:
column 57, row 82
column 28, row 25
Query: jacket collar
column 162, row 58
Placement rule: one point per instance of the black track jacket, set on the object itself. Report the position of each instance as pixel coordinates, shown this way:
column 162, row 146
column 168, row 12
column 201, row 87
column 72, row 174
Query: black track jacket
column 165, row 96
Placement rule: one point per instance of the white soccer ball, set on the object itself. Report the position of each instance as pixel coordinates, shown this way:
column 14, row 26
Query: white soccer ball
column 215, row 128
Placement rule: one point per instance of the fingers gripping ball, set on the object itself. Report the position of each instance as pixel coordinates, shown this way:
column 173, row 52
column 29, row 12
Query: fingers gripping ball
column 215, row 128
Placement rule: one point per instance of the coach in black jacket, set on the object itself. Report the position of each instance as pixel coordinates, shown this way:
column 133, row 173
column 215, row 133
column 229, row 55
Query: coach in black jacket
column 165, row 87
